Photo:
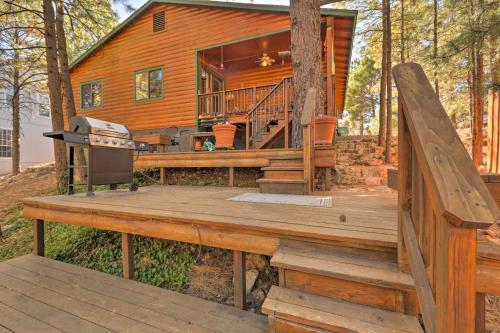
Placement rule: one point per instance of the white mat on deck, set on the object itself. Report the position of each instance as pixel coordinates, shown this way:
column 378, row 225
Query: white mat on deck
column 285, row 199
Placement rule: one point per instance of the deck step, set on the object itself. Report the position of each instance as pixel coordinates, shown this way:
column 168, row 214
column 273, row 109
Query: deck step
column 333, row 315
column 284, row 172
column 286, row 161
column 282, row 186
column 355, row 275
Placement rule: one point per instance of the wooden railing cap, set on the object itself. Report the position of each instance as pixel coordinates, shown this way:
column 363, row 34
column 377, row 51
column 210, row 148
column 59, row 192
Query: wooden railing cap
column 309, row 106
column 454, row 183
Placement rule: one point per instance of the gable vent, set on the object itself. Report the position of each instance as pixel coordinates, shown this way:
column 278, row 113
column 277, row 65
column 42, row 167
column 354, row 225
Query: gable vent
column 159, row 21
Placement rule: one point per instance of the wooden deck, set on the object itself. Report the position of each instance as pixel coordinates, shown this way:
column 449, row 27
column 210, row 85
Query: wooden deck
column 43, row 295
column 204, row 215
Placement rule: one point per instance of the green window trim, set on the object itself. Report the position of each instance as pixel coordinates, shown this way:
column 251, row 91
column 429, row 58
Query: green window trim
column 93, row 107
column 148, row 71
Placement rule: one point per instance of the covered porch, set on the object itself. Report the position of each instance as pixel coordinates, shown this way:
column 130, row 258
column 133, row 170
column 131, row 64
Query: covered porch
column 249, row 82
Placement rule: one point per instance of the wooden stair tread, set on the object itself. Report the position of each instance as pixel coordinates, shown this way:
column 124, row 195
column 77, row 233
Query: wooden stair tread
column 283, row 168
column 287, row 157
column 335, row 315
column 282, row 181
column 349, row 264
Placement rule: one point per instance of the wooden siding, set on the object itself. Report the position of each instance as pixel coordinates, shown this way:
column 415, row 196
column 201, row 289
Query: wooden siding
column 257, row 76
column 137, row 47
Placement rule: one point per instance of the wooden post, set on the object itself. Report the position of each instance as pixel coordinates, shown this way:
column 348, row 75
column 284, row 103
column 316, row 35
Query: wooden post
column 231, row 176
column 163, row 178
column 493, row 156
column 405, row 181
column 330, row 69
column 239, row 279
column 328, row 179
column 480, row 313
column 247, row 133
column 455, row 278
column 38, row 238
column 307, row 124
column 128, row 255
column 287, row 119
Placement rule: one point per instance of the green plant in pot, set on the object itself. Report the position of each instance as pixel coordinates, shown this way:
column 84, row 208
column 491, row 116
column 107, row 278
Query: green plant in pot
column 224, row 134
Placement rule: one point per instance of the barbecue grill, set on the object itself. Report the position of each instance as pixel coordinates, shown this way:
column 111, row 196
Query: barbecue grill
column 110, row 151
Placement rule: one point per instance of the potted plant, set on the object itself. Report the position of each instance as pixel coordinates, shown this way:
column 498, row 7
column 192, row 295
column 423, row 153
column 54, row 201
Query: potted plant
column 224, row 134
column 324, row 129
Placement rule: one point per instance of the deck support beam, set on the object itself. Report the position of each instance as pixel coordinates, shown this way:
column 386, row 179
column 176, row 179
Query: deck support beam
column 239, row 279
column 38, row 237
column 480, row 313
column 128, row 255
column 231, row 176
column 163, row 178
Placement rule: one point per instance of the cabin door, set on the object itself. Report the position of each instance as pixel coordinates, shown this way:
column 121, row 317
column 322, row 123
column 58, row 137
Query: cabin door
column 212, row 88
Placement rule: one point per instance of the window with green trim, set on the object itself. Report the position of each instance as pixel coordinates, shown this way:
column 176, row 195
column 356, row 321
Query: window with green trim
column 91, row 95
column 149, row 84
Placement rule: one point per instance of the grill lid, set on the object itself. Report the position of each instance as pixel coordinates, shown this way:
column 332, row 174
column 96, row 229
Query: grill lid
column 87, row 125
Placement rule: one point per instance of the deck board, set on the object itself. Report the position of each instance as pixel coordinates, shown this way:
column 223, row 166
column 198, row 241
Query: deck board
column 370, row 216
column 53, row 297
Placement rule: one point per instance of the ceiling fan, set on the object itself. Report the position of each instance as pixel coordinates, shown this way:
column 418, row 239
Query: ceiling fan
column 265, row 60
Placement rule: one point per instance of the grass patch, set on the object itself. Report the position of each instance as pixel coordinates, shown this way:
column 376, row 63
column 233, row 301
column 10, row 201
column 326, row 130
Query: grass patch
column 158, row 262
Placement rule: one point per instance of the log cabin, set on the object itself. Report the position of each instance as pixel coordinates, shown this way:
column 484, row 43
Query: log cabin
column 177, row 67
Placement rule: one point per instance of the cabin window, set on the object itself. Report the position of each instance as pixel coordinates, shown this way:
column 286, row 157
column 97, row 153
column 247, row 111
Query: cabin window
column 149, row 84
column 5, row 143
column 159, row 21
column 91, row 94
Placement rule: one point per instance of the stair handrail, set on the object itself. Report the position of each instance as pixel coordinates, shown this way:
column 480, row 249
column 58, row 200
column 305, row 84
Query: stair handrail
column 252, row 116
column 442, row 201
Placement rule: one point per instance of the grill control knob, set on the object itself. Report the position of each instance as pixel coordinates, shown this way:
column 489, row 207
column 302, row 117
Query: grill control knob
column 115, row 142
column 98, row 139
column 106, row 141
column 122, row 143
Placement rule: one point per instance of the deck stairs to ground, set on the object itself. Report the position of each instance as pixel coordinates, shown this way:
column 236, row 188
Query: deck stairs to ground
column 284, row 175
column 327, row 288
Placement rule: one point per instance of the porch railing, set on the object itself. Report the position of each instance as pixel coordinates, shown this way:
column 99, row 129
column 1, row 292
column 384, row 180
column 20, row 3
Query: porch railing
column 273, row 106
column 234, row 102
column 442, row 202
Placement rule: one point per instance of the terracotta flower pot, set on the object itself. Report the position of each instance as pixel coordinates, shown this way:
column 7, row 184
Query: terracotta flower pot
column 324, row 129
column 197, row 144
column 224, row 135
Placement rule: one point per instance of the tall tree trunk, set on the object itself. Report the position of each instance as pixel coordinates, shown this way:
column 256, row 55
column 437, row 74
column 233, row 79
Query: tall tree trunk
column 470, row 84
column 16, row 110
column 435, row 31
column 54, row 83
column 388, row 59
column 383, row 80
column 306, row 48
column 477, row 131
column 66, row 82
column 478, row 79
column 402, row 32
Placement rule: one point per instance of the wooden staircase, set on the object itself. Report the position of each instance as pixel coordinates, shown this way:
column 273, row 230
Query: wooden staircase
column 284, row 175
column 327, row 288
column 274, row 129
